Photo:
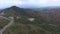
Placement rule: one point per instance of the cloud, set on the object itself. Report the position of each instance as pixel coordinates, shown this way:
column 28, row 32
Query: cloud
column 11, row 2
column 30, row 2
column 39, row 2
column 43, row 2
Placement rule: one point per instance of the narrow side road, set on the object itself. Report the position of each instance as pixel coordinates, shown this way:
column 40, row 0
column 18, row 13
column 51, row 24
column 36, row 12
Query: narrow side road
column 9, row 24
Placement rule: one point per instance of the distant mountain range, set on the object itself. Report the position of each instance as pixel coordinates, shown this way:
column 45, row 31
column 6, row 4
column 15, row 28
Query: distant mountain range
column 36, row 12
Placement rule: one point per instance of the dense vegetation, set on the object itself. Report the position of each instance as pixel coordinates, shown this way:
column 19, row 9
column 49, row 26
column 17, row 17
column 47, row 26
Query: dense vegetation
column 44, row 23
column 3, row 22
column 26, row 27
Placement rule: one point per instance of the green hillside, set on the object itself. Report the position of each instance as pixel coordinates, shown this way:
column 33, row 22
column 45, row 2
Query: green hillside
column 3, row 22
column 43, row 23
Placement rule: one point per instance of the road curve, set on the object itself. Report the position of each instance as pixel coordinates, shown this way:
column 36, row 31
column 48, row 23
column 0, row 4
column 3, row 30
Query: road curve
column 9, row 24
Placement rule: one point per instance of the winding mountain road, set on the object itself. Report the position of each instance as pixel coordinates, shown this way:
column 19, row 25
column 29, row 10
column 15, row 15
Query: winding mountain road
column 11, row 19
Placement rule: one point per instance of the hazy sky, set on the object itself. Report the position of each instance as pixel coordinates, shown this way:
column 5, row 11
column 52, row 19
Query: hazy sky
column 29, row 3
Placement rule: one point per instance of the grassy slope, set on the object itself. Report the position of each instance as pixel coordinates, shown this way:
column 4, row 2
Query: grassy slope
column 26, row 27
column 39, row 26
column 23, row 26
column 3, row 22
